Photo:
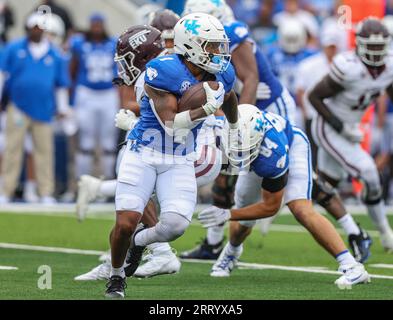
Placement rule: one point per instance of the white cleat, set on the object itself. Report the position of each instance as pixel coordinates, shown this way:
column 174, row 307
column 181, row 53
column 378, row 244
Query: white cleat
column 88, row 189
column 101, row 272
column 157, row 264
column 224, row 264
column 352, row 274
column 387, row 241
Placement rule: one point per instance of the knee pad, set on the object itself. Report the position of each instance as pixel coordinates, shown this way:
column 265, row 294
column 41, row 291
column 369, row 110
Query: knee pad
column 372, row 193
column 223, row 191
column 171, row 226
column 322, row 191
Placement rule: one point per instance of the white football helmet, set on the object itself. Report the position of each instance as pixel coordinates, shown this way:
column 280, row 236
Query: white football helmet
column 252, row 127
column 217, row 8
column 292, row 36
column 202, row 40
column 55, row 29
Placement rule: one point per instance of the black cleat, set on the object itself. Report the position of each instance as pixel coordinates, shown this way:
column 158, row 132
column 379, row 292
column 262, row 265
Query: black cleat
column 360, row 245
column 134, row 254
column 116, row 287
column 204, row 251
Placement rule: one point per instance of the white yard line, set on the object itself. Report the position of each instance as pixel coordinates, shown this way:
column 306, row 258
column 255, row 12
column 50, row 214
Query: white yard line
column 381, row 265
column 50, row 249
column 259, row 266
column 8, row 268
column 244, row 265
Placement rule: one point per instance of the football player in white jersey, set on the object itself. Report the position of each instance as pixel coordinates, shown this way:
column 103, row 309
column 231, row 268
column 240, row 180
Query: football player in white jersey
column 355, row 80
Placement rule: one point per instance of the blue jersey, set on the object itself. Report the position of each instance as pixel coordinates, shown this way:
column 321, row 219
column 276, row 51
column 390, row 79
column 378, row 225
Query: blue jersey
column 237, row 33
column 273, row 161
column 96, row 68
column 170, row 74
column 285, row 65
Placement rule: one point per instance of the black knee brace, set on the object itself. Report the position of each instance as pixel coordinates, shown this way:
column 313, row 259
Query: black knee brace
column 223, row 191
column 371, row 196
column 322, row 191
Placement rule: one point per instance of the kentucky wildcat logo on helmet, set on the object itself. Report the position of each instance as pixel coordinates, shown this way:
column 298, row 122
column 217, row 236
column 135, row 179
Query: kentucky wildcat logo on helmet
column 201, row 39
column 372, row 42
column 135, row 48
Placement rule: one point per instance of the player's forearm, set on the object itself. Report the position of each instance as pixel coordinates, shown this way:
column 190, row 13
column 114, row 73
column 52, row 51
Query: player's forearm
column 254, row 211
column 230, row 108
column 326, row 88
column 249, row 92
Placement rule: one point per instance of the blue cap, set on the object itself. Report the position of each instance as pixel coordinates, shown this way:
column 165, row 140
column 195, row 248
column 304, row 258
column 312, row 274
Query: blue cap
column 97, row 17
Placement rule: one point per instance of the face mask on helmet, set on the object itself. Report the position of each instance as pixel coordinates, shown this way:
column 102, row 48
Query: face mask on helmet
column 372, row 50
column 215, row 56
column 252, row 130
column 126, row 69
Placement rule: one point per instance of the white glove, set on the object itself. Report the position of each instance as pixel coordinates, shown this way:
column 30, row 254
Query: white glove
column 352, row 133
column 125, row 119
column 213, row 216
column 214, row 98
column 263, row 91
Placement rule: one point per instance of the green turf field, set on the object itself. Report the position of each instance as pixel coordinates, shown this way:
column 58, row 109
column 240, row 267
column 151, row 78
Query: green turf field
column 286, row 247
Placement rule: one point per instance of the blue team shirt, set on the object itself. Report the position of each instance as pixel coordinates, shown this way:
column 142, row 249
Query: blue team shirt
column 273, row 159
column 96, row 66
column 237, row 33
column 285, row 65
column 31, row 84
column 169, row 73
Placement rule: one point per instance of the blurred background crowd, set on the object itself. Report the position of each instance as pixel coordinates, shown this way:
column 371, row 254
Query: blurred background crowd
column 58, row 102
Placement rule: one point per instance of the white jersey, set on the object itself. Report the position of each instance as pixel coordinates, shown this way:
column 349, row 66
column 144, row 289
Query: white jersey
column 360, row 88
column 310, row 72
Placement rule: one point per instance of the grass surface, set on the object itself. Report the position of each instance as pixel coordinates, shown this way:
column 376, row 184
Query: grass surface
column 193, row 282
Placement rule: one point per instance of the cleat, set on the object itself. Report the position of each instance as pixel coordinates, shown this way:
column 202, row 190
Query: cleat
column 88, row 190
column 115, row 288
column 387, row 241
column 134, row 254
column 101, row 272
column 352, row 275
column 204, row 251
column 224, row 264
column 157, row 264
column 360, row 245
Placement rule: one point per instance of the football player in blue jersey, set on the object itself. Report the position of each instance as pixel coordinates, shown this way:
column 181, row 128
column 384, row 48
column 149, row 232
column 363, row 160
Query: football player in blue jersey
column 96, row 99
column 160, row 150
column 256, row 84
column 275, row 164
column 270, row 96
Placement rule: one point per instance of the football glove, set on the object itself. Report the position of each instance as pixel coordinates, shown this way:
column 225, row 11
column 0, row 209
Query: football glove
column 213, row 216
column 125, row 119
column 214, row 98
column 352, row 133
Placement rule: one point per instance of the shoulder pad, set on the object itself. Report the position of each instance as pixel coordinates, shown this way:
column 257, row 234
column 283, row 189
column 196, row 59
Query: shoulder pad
column 346, row 67
column 162, row 72
column 237, row 32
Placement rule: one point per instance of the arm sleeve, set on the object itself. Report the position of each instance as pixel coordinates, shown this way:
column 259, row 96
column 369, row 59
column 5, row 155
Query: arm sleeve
column 276, row 184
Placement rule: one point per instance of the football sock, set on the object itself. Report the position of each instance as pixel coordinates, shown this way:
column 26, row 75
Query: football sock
column 234, row 251
column 159, row 247
column 118, row 272
column 215, row 235
column 377, row 214
column 349, row 225
column 345, row 258
column 108, row 188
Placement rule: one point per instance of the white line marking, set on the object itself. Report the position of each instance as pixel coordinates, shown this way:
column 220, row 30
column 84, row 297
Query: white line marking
column 381, row 265
column 258, row 266
column 50, row 249
column 8, row 268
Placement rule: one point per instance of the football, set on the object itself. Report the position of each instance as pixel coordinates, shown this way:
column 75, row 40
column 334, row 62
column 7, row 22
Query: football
column 195, row 96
